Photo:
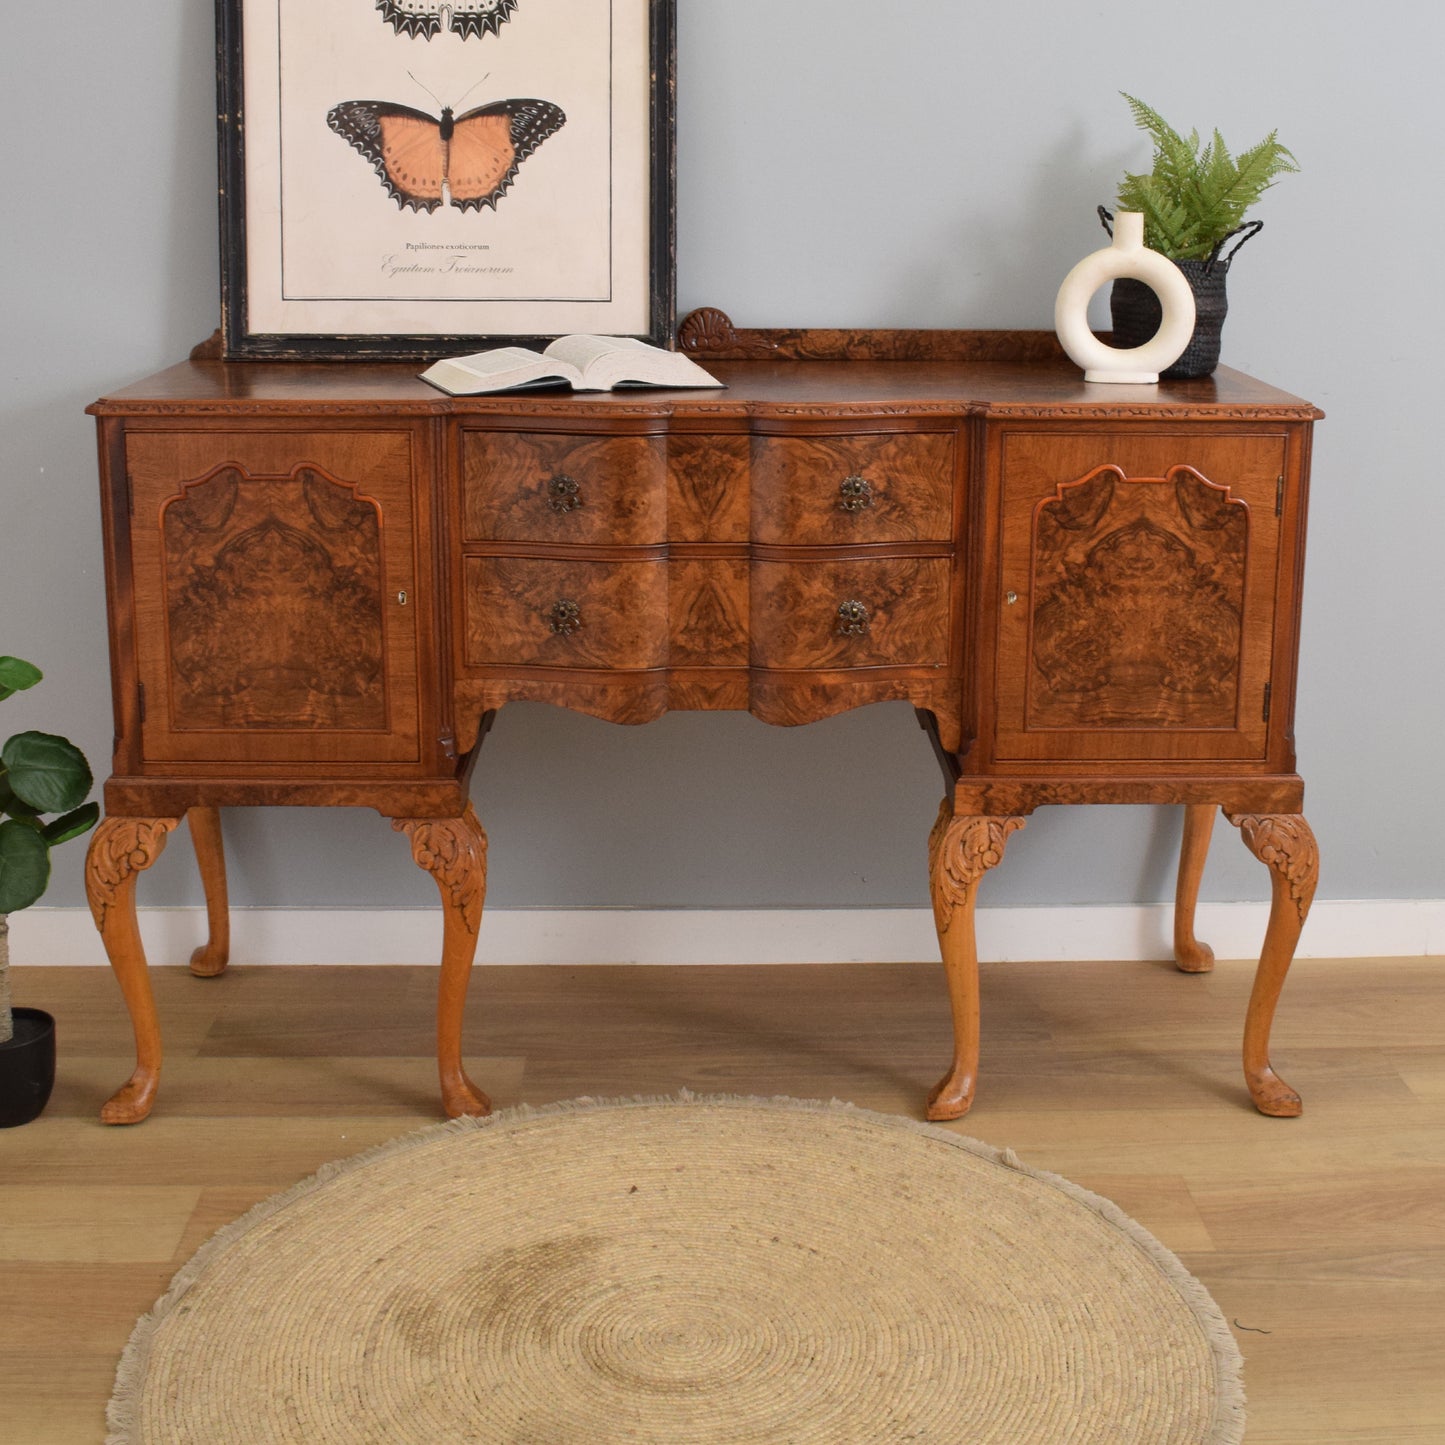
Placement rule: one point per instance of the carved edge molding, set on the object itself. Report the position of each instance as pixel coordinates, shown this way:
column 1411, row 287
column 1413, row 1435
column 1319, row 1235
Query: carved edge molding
column 264, row 406
column 659, row 410
column 1194, row 411
column 1286, row 845
column 390, row 411
column 296, row 474
column 961, row 849
column 454, row 852
column 120, row 848
column 1173, row 474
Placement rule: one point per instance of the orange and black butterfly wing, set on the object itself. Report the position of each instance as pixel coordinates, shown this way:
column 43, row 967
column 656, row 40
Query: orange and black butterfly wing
column 424, row 17
column 403, row 145
column 489, row 143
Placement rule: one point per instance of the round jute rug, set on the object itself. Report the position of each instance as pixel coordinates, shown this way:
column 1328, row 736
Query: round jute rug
column 691, row 1271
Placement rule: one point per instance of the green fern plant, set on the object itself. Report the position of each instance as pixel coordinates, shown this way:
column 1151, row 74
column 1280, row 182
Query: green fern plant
column 1196, row 194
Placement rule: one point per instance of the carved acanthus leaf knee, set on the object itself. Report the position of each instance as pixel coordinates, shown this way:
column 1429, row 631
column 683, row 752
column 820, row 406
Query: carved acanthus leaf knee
column 1284, row 843
column 961, row 850
column 454, row 852
column 119, row 848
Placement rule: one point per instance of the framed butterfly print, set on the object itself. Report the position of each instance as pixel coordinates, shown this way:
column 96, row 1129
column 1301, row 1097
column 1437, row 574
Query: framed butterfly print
column 414, row 178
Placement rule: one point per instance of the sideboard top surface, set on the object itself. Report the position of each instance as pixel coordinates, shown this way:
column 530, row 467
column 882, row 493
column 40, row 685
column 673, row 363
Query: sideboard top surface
column 753, row 387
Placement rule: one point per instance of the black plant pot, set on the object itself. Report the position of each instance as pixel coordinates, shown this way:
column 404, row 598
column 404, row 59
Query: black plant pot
column 1135, row 312
column 1136, row 315
column 27, row 1068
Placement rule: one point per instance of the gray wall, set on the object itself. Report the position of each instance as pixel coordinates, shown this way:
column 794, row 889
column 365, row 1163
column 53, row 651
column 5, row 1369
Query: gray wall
column 913, row 163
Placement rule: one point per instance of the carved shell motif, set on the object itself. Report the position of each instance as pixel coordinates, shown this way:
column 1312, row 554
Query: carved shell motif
column 706, row 329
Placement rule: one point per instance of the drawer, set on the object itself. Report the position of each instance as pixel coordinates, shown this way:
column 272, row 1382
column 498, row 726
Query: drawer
column 870, row 487
column 891, row 612
column 562, row 487
column 548, row 613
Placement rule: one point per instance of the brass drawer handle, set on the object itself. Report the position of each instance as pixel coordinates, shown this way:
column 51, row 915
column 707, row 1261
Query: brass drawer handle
column 563, row 493
column 854, row 494
column 852, row 618
column 564, row 616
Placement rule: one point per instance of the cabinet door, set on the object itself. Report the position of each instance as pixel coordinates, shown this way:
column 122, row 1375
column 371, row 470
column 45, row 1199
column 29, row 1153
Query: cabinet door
column 275, row 596
column 1138, row 595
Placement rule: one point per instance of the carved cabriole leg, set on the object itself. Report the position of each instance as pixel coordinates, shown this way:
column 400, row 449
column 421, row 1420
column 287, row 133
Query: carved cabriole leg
column 212, row 956
column 960, row 851
column 1189, row 954
column 454, row 852
column 1285, row 844
column 120, row 848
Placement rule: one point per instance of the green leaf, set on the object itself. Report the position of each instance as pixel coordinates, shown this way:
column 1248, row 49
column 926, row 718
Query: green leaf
column 48, row 772
column 72, row 825
column 16, row 675
column 24, row 866
column 9, row 803
column 1194, row 197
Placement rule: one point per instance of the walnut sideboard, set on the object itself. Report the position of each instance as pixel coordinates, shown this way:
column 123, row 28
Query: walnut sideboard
column 324, row 578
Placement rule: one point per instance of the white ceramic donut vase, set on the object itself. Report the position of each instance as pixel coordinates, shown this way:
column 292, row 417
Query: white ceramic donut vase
column 1128, row 256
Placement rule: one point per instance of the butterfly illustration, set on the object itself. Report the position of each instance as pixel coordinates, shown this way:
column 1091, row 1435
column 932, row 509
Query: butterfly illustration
column 427, row 17
column 470, row 160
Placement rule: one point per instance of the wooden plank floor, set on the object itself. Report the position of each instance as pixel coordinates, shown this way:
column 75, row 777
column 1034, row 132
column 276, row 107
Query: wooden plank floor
column 1322, row 1237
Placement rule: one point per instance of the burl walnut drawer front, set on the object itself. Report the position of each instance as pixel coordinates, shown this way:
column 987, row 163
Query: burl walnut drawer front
column 560, row 487
column 890, row 612
column 541, row 612
column 835, row 490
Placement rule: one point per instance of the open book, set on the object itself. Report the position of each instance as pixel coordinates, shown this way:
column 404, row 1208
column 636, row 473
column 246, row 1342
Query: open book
column 586, row 363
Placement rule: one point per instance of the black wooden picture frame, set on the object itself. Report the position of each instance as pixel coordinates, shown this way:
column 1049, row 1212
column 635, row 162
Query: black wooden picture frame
column 242, row 288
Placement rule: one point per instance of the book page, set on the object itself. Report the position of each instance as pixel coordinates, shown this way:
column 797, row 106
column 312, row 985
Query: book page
column 610, row 361
column 649, row 366
column 490, row 364
column 582, row 351
column 499, row 370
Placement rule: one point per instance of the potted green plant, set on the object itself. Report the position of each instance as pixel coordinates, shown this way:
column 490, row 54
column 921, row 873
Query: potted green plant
column 1193, row 199
column 40, row 774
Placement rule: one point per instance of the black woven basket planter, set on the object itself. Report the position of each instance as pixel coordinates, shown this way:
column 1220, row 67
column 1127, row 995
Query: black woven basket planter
column 1136, row 313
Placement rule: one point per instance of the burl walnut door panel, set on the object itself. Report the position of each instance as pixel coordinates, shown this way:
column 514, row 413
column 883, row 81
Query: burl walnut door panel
column 1138, row 586
column 275, row 595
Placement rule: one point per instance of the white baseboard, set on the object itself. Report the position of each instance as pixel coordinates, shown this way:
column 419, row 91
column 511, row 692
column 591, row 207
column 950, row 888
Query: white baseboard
column 1336, row 929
